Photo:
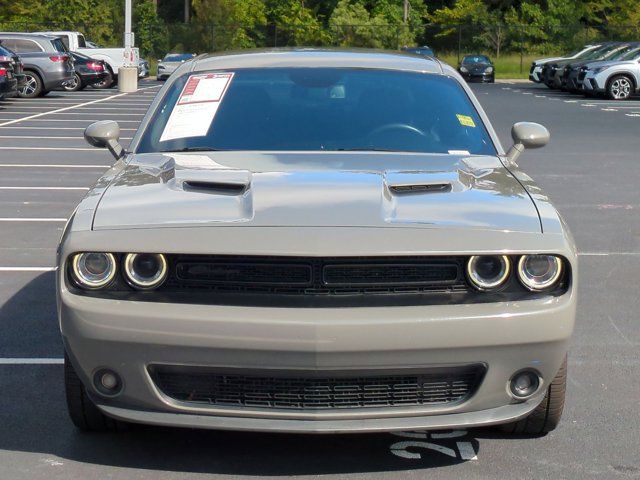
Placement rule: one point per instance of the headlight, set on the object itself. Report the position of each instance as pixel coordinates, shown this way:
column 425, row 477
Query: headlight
column 145, row 270
column 463, row 69
column 488, row 70
column 539, row 272
column 599, row 69
column 93, row 270
column 487, row 272
column 160, row 67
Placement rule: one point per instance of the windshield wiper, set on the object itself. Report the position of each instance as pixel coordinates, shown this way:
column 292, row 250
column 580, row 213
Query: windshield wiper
column 195, row 149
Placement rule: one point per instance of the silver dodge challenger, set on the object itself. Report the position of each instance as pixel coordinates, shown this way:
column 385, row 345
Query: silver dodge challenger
column 316, row 241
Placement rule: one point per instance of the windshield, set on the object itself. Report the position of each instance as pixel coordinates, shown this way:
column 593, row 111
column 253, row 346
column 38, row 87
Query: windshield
column 334, row 109
column 631, row 54
column 475, row 59
column 178, row 57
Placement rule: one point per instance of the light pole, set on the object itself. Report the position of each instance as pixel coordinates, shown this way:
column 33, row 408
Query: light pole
column 128, row 73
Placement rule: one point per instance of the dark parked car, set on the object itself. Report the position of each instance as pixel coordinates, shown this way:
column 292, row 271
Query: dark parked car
column 47, row 63
column 477, row 68
column 88, row 71
column 15, row 68
column 424, row 51
column 8, row 80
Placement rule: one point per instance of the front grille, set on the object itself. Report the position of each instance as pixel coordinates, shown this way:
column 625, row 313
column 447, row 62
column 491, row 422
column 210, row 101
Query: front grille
column 581, row 76
column 199, row 385
column 316, row 276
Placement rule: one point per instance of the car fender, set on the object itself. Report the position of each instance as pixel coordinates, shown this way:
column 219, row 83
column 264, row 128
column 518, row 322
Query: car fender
column 634, row 77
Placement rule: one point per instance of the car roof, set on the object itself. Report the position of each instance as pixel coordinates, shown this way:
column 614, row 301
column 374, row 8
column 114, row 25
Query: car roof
column 27, row 35
column 313, row 57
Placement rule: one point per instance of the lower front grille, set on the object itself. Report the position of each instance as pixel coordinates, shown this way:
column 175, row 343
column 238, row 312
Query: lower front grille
column 435, row 386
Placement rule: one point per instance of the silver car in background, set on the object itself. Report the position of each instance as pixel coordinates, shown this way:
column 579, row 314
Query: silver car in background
column 618, row 80
column 47, row 62
column 316, row 241
column 170, row 62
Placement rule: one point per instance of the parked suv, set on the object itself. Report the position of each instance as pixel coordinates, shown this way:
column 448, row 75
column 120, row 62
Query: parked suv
column 47, row 63
column 572, row 80
column 619, row 79
column 11, row 75
column 535, row 73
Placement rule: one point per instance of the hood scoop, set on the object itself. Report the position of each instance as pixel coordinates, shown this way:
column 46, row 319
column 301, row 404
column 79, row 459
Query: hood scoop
column 221, row 182
column 411, row 183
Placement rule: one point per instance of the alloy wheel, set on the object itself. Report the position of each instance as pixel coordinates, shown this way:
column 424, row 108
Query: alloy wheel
column 621, row 88
column 72, row 84
column 30, row 85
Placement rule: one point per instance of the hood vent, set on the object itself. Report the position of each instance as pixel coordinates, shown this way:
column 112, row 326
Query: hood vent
column 420, row 188
column 215, row 187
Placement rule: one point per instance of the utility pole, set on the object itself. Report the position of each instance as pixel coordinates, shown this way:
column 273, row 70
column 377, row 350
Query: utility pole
column 128, row 73
column 187, row 11
column 405, row 11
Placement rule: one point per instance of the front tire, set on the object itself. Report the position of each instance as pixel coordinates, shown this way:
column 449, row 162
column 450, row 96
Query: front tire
column 546, row 416
column 620, row 87
column 83, row 412
column 32, row 87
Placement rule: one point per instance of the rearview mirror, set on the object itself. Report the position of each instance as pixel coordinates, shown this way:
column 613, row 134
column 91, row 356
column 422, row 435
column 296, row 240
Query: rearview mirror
column 105, row 134
column 526, row 135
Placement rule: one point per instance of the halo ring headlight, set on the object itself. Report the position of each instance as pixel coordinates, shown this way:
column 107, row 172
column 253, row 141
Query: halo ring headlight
column 145, row 271
column 93, row 270
column 539, row 272
column 488, row 272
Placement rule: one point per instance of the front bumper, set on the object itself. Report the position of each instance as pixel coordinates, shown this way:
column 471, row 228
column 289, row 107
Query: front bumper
column 478, row 77
column 593, row 83
column 129, row 336
column 535, row 74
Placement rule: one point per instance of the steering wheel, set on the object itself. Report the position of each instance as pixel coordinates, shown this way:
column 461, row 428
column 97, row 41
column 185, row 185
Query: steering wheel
column 397, row 126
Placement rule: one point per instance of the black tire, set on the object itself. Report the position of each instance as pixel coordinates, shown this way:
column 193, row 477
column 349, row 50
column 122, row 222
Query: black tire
column 77, row 84
column 33, row 86
column 107, row 82
column 620, row 87
column 83, row 412
column 546, row 416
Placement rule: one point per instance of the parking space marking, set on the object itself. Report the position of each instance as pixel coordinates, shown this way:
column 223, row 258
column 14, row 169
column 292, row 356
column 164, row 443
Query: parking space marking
column 64, row 109
column 77, row 149
column 28, row 269
column 55, row 165
column 86, row 189
column 88, row 108
column 57, row 112
column 59, row 128
column 18, row 219
column 12, row 137
column 58, row 120
column 31, row 361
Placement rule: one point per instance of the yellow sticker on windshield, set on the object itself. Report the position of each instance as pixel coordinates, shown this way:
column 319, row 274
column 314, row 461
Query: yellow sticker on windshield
column 466, row 120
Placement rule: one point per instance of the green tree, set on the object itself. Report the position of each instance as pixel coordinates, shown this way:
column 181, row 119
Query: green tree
column 151, row 32
column 233, row 23
column 296, row 24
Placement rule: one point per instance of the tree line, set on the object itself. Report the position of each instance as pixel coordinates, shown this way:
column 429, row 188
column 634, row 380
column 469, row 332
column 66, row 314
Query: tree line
column 496, row 26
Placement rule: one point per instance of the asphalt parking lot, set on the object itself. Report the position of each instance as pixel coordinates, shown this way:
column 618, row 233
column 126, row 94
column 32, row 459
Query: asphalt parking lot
column 590, row 169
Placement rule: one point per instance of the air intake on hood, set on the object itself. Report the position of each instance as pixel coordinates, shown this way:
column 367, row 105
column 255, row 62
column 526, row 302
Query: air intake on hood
column 421, row 188
column 215, row 187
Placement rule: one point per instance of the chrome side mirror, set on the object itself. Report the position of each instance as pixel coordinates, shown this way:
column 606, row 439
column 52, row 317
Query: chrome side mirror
column 526, row 135
column 105, row 134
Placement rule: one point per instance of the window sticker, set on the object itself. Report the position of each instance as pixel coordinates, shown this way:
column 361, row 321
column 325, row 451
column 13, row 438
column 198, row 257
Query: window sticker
column 466, row 120
column 197, row 106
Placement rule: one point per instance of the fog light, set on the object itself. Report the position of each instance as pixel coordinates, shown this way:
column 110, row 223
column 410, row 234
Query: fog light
column 107, row 382
column 524, row 384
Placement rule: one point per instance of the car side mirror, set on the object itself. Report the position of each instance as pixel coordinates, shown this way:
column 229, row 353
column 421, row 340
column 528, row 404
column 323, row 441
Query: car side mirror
column 105, row 134
column 526, row 135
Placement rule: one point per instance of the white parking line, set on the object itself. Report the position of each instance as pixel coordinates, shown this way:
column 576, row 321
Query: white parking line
column 10, row 137
column 89, row 108
column 56, row 112
column 66, row 149
column 60, row 128
column 56, row 165
column 64, row 109
column 31, row 361
column 28, row 269
column 45, row 188
column 31, row 220
column 87, row 120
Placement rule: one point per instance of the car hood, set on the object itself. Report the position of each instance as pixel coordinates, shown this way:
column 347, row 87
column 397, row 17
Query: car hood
column 332, row 189
column 542, row 61
column 609, row 63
